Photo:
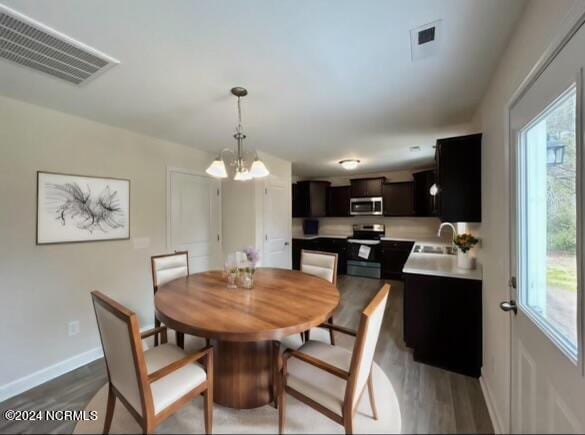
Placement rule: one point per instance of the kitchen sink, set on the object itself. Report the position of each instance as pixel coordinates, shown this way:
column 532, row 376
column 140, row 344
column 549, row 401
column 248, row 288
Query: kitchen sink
column 434, row 249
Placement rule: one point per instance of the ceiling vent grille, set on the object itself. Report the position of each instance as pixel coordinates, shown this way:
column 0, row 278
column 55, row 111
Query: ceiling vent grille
column 425, row 40
column 36, row 46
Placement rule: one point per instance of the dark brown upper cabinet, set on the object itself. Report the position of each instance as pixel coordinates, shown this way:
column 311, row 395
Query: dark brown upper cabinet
column 398, row 199
column 458, row 175
column 310, row 198
column 424, row 203
column 338, row 201
column 364, row 187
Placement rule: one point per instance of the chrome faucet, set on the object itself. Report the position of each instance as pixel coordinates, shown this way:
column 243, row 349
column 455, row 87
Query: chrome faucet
column 447, row 224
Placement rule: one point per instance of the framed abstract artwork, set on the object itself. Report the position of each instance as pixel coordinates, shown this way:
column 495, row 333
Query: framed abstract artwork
column 78, row 208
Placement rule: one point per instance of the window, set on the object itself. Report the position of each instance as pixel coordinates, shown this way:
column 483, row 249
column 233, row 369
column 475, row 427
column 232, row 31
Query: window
column 548, row 221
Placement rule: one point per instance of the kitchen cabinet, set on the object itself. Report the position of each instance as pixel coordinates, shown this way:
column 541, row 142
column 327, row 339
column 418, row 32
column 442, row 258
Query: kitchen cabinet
column 443, row 322
column 424, row 203
column 398, row 199
column 310, row 198
column 365, row 187
column 338, row 201
column 324, row 244
column 458, row 174
column 296, row 202
column 393, row 257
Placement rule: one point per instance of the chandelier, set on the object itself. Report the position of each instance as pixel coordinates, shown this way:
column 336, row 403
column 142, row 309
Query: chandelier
column 242, row 173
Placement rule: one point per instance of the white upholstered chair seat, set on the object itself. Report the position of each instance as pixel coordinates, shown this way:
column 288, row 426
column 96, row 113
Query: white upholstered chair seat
column 324, row 388
column 175, row 385
column 291, row 342
column 295, row 342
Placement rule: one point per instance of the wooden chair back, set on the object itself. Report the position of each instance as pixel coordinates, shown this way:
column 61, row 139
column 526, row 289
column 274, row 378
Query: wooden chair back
column 320, row 264
column 167, row 267
column 120, row 336
column 365, row 345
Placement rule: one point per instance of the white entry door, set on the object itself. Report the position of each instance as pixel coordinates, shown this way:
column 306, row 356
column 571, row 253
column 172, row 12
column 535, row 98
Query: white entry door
column 194, row 219
column 277, row 250
column 548, row 383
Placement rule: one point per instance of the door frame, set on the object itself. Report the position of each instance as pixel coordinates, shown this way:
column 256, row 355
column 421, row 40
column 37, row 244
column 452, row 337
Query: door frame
column 574, row 19
column 173, row 169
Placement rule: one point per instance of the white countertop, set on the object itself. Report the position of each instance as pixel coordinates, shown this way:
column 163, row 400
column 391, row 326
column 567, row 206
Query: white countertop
column 319, row 236
column 439, row 265
column 420, row 263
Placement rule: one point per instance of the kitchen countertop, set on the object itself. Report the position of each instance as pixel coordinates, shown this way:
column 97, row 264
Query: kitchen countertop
column 319, row 236
column 439, row 265
column 420, row 263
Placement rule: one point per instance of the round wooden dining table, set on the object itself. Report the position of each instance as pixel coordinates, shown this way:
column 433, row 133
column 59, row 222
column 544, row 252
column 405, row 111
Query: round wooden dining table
column 244, row 323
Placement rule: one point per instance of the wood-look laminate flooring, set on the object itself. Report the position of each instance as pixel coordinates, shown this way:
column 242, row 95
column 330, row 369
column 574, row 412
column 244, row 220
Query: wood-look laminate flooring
column 431, row 400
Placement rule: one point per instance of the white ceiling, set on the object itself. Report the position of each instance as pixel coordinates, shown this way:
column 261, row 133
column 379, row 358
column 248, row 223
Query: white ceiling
column 328, row 79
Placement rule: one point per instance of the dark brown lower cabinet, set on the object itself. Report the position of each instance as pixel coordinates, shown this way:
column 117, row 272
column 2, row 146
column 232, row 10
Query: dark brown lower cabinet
column 443, row 322
column 394, row 255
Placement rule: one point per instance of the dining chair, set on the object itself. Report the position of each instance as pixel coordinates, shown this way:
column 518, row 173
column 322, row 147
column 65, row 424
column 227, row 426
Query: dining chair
column 165, row 268
column 330, row 379
column 151, row 384
column 323, row 265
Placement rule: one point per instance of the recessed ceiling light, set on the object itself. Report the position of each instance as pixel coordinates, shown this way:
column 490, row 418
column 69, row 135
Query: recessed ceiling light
column 349, row 164
column 414, row 148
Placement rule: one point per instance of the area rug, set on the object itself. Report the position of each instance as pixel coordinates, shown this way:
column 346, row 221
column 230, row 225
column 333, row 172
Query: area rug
column 300, row 418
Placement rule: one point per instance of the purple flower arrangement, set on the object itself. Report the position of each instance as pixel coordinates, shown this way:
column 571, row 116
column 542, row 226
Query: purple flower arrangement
column 252, row 255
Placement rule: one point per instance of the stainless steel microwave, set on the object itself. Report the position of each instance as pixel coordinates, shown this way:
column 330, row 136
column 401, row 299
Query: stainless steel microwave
column 366, row 206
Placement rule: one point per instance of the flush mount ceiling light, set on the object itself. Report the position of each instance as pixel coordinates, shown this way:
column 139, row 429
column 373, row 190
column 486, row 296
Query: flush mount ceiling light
column 242, row 173
column 349, row 164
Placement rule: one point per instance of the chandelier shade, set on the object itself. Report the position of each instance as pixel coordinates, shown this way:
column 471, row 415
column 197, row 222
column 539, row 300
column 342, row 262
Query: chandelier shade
column 258, row 169
column 217, row 169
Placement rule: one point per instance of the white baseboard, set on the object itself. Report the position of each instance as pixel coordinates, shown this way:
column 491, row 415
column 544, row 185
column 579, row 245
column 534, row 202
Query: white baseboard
column 492, row 409
column 41, row 376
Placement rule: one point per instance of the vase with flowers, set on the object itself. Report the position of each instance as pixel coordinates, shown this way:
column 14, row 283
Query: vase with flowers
column 248, row 267
column 464, row 243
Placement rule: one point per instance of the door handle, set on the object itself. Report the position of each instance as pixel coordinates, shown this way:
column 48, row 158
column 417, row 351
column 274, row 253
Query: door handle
column 285, row 243
column 509, row 306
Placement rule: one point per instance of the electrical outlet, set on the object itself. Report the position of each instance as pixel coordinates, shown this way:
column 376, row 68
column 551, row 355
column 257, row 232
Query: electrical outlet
column 73, row 328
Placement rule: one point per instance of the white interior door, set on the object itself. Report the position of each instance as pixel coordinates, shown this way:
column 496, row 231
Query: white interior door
column 194, row 217
column 546, row 124
column 277, row 224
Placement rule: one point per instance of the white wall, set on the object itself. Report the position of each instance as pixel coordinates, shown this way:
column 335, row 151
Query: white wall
column 534, row 32
column 243, row 206
column 42, row 288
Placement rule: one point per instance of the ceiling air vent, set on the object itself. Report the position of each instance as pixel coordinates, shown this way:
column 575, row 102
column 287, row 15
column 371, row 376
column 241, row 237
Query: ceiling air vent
column 424, row 40
column 36, row 46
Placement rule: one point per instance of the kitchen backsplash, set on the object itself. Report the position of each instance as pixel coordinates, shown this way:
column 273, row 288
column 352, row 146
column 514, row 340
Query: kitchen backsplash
column 395, row 227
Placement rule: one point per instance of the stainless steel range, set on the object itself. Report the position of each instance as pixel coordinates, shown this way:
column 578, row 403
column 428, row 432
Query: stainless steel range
column 363, row 251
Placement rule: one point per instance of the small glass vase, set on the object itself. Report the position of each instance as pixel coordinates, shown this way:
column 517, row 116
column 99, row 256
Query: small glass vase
column 247, row 278
column 231, row 272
